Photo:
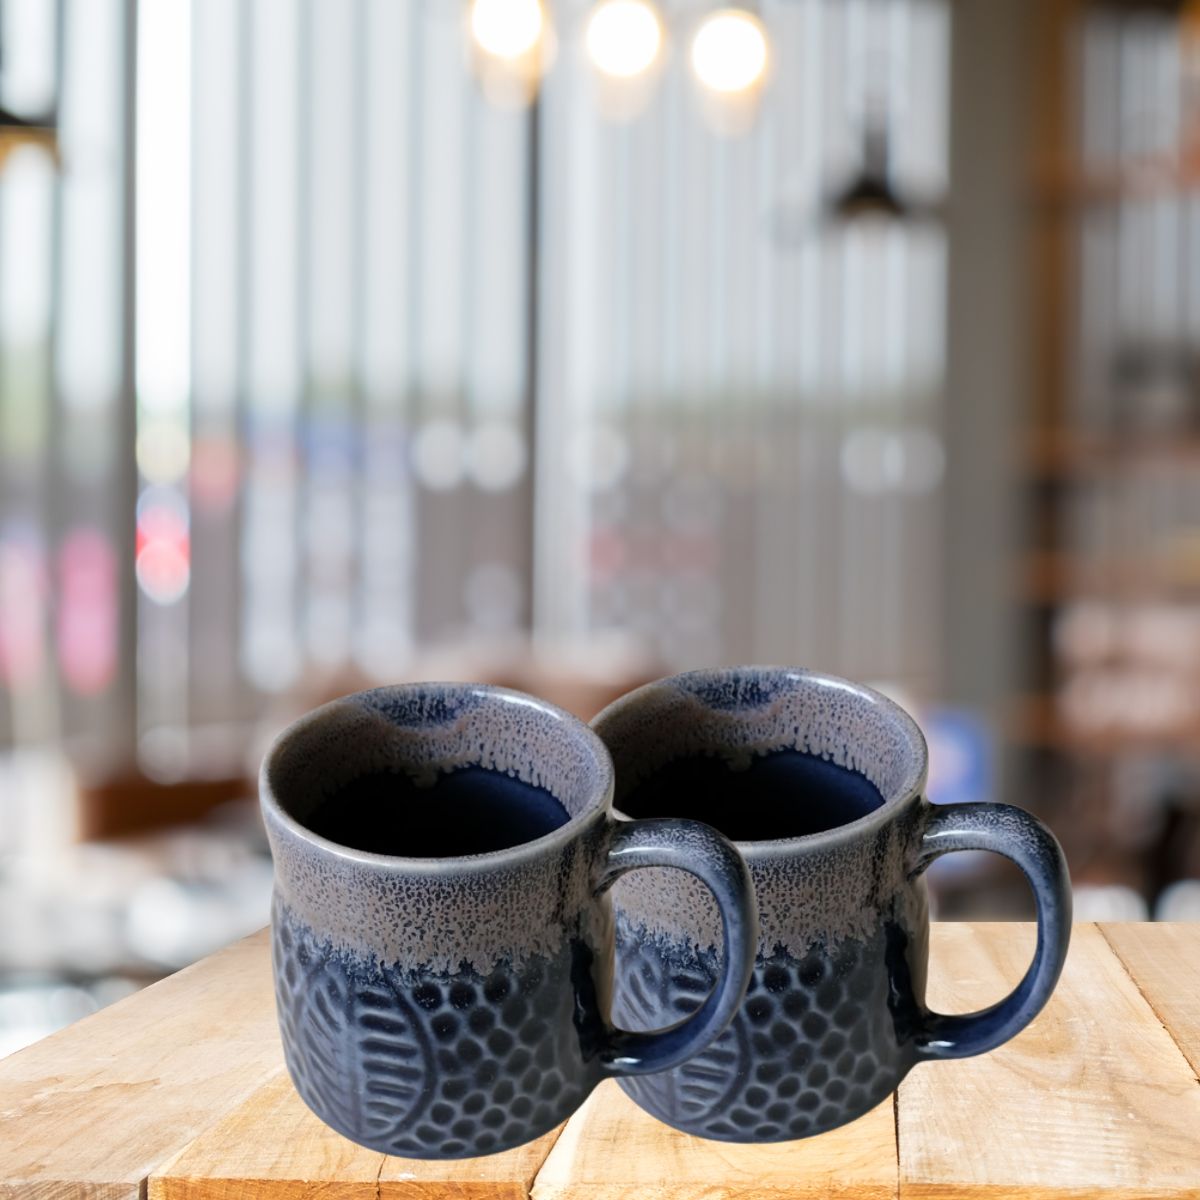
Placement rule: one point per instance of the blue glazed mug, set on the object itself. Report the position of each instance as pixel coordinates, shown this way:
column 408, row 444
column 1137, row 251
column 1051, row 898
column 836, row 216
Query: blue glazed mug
column 441, row 921
column 819, row 783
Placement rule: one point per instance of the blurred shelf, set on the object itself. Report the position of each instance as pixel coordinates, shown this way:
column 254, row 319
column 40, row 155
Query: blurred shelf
column 131, row 803
column 1066, row 453
column 1035, row 721
column 1059, row 185
column 1051, row 577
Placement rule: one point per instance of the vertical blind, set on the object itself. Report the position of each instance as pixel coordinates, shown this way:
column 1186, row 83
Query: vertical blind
column 62, row 373
column 348, row 328
column 741, row 396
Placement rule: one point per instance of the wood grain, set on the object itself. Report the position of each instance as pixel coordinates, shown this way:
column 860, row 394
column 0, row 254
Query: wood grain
column 87, row 1113
column 182, row 1086
column 1094, row 1098
column 271, row 1147
column 507, row 1176
column 1164, row 961
column 612, row 1150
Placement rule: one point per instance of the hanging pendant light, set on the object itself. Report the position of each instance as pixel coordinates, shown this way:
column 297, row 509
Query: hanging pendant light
column 17, row 132
column 870, row 192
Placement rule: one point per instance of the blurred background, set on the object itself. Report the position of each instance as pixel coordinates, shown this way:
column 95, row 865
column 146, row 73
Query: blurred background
column 564, row 344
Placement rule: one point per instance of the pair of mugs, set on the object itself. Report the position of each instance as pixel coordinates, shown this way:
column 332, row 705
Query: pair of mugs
column 467, row 937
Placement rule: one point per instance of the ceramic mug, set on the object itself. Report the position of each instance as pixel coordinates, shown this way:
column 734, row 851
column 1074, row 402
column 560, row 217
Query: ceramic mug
column 819, row 783
column 441, row 924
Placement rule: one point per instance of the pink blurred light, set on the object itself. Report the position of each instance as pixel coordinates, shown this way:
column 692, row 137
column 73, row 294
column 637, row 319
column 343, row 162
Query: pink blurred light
column 163, row 545
column 87, row 612
column 163, row 572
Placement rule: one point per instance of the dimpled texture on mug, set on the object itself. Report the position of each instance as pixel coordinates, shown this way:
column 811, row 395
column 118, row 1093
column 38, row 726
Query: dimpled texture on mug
column 432, row 1064
column 817, row 1042
column 826, row 1029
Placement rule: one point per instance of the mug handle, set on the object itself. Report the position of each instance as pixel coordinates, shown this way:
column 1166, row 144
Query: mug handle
column 699, row 849
column 1002, row 829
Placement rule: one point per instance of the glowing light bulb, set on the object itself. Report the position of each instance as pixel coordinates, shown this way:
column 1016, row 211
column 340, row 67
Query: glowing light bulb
column 623, row 37
column 729, row 51
column 507, row 28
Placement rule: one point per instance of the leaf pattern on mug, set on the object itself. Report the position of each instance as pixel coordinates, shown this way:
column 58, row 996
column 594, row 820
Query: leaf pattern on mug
column 311, row 1004
column 651, row 997
column 353, row 1049
column 394, row 1058
column 429, row 1064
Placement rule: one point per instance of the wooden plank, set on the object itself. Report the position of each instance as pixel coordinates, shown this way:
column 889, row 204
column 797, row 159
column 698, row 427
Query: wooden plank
column 507, row 1176
column 271, row 1145
column 612, row 1150
column 1164, row 960
column 88, row 1113
column 273, row 1148
column 183, row 1085
column 1092, row 1099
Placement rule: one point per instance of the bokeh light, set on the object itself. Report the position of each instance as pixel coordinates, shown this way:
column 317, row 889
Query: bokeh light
column 623, row 37
column 87, row 612
column 507, row 28
column 163, row 450
column 729, row 51
column 163, row 545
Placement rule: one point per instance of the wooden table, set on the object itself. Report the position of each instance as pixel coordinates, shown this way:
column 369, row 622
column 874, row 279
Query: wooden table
column 179, row 1093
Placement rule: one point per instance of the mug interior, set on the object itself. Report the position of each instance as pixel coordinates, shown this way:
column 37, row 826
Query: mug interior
column 436, row 770
column 762, row 754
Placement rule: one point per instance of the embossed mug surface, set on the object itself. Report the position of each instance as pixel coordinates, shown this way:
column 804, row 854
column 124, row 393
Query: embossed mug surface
column 820, row 784
column 438, row 1004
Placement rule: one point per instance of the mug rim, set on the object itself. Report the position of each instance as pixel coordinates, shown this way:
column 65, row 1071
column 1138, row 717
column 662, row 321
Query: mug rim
column 911, row 788
column 597, row 807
